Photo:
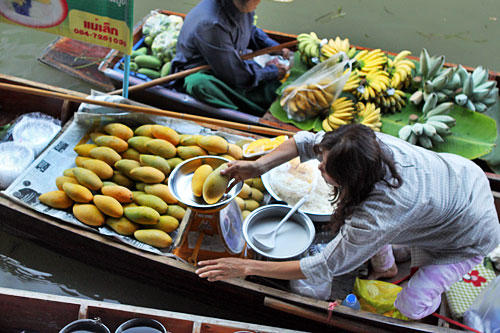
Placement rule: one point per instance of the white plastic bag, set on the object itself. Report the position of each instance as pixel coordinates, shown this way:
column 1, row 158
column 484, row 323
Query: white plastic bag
column 484, row 314
column 314, row 91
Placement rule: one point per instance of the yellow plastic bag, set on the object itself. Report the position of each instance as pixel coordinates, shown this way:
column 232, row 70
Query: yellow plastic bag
column 378, row 297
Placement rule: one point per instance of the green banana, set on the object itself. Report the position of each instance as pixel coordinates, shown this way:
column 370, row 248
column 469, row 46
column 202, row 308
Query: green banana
column 429, row 130
column 439, row 109
column 424, row 62
column 425, row 141
column 404, row 132
column 468, row 86
column 437, row 138
column 448, row 120
column 440, row 127
column 417, row 128
column 430, row 103
column 435, row 66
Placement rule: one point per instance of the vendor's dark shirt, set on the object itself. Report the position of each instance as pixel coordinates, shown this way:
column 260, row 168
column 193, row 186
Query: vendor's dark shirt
column 216, row 33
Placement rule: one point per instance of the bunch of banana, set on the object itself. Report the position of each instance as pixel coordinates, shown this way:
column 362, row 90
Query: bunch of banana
column 353, row 82
column 429, row 66
column 309, row 47
column 367, row 61
column 333, row 47
column 375, row 82
column 400, row 70
column 369, row 115
column 478, row 94
column 342, row 113
column 393, row 100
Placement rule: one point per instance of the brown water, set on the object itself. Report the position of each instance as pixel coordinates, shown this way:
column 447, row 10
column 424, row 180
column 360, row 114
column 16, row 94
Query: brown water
column 466, row 32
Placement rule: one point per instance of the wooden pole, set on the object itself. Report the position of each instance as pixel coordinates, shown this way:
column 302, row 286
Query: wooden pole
column 187, row 72
column 135, row 108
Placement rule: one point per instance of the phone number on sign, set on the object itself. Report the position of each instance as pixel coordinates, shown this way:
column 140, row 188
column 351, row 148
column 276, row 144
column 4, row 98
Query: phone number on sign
column 97, row 36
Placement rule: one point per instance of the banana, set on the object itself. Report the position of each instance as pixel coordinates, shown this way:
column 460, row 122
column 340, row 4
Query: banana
column 479, row 94
column 429, row 130
column 479, row 75
column 469, row 105
column 437, row 64
column 486, row 85
column 401, row 55
column 430, row 103
column 448, row 120
column 425, row 141
column 404, row 132
column 320, row 98
column 336, row 121
column 468, row 86
column 413, row 139
column 326, row 126
column 437, row 138
column 417, row 128
column 439, row 109
column 480, row 107
column 440, row 127
column 439, row 82
column 461, row 99
column 462, row 73
column 424, row 62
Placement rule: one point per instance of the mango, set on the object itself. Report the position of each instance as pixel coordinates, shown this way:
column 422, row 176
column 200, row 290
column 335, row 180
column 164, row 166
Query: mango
column 136, row 194
column 69, row 172
column 199, row 177
column 251, row 204
column 213, row 162
column 167, row 223
column 120, row 193
column 84, row 149
column 214, row 143
column 157, row 162
column 77, row 192
column 256, row 195
column 95, row 135
column 258, row 184
column 121, row 179
column 122, row 225
column 130, row 154
column 215, row 185
column 228, row 157
column 162, row 191
column 56, row 199
column 113, row 142
column 108, row 205
column 125, row 166
column 147, row 174
column 161, row 148
column 176, row 211
column 119, row 130
column 105, row 154
column 240, row 202
column 152, row 201
column 63, row 179
column 132, row 204
column 100, row 168
column 144, row 130
column 246, row 191
column 108, row 183
column 88, row 178
column 245, row 213
column 173, row 162
column 139, row 143
column 190, row 139
column 235, row 151
column 142, row 215
column 165, row 133
column 153, row 237
column 89, row 215
column 187, row 152
column 139, row 186
column 80, row 159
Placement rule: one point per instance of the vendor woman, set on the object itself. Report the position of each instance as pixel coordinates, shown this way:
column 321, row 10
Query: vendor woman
column 388, row 192
column 218, row 33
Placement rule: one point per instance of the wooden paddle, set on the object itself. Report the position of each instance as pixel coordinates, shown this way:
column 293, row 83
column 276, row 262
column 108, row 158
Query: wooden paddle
column 185, row 73
column 135, row 108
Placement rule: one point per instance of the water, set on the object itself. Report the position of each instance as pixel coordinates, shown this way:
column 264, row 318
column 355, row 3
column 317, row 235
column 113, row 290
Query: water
column 466, row 32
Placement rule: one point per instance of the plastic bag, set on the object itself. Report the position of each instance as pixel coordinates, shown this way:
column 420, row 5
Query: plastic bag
column 155, row 24
column 484, row 314
column 164, row 45
column 314, row 91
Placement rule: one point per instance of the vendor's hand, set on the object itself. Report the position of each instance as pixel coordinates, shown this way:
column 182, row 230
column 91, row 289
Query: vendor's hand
column 222, row 269
column 286, row 53
column 282, row 70
column 241, row 170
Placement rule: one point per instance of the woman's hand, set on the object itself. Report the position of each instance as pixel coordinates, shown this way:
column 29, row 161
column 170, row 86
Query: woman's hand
column 241, row 170
column 286, row 53
column 222, row 269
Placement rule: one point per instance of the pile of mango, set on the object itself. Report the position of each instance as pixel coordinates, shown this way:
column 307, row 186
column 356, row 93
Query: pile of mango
column 120, row 179
column 251, row 196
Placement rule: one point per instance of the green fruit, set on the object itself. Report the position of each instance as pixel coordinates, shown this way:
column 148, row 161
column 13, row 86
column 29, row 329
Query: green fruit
column 148, row 61
column 151, row 73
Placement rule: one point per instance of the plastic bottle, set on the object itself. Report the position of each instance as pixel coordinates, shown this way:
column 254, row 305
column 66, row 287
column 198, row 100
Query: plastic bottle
column 352, row 302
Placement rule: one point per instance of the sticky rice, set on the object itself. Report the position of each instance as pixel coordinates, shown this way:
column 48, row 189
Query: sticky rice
column 290, row 182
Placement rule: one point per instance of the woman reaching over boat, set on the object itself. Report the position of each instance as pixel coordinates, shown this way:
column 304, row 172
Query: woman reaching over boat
column 218, row 33
column 387, row 192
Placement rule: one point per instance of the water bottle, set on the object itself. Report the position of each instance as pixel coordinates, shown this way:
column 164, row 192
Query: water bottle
column 352, row 302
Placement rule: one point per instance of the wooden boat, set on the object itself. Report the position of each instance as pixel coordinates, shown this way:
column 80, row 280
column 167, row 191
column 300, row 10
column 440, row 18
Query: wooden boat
column 27, row 311
column 265, row 299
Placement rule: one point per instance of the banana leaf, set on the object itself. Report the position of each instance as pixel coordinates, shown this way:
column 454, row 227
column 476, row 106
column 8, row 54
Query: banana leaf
column 472, row 137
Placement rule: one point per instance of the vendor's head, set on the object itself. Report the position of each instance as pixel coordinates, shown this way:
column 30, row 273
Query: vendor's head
column 246, row 6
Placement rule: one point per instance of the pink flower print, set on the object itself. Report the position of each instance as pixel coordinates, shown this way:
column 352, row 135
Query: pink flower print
column 474, row 278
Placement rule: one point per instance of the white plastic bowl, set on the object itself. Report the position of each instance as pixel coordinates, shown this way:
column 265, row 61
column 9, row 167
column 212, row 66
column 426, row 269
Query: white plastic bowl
column 35, row 133
column 15, row 158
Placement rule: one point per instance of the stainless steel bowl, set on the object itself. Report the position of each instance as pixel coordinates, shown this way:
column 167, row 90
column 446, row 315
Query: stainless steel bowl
column 292, row 239
column 179, row 184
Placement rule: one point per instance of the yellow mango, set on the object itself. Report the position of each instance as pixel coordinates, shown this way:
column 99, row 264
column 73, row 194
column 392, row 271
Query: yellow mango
column 140, row 186
column 258, row 184
column 246, row 191
column 136, row 194
column 139, row 143
column 77, row 192
column 121, row 179
column 256, row 195
column 88, row 178
column 161, row 148
column 100, row 168
column 227, row 156
column 152, row 201
column 235, row 151
column 84, row 149
column 251, row 204
column 147, row 174
column 245, row 213
column 213, row 162
column 113, row 142
column 108, row 205
column 173, row 162
column 187, row 152
column 125, row 166
column 215, row 185
column 56, row 199
column 199, row 176
column 95, row 135
column 142, row 215
column 120, row 193
column 80, row 159
column 157, row 162
column 153, row 237
column 119, row 130
column 105, row 154
column 122, row 225
column 69, row 172
column 176, row 211
column 89, row 215
column 108, row 183
column 63, row 179
column 165, row 133
column 162, row 191
column 249, row 182
column 144, row 130
column 167, row 223
column 240, row 202
column 130, row 154
column 190, row 139
column 214, row 143
column 131, row 204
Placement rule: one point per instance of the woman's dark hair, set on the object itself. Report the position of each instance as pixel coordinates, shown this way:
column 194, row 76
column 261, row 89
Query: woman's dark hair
column 356, row 161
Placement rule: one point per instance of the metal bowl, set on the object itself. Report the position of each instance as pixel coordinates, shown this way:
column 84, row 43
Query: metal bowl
column 140, row 324
column 292, row 239
column 85, row 325
column 179, row 184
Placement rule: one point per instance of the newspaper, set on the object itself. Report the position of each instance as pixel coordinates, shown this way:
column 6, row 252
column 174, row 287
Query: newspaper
column 40, row 176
